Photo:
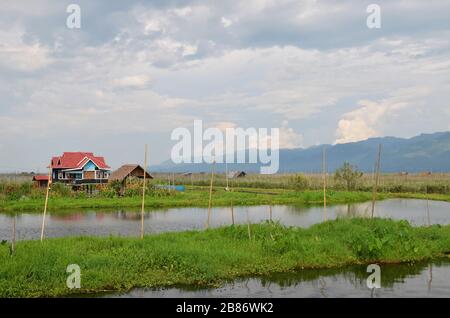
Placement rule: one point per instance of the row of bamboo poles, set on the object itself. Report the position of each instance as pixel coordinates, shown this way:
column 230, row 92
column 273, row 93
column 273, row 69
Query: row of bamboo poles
column 142, row 230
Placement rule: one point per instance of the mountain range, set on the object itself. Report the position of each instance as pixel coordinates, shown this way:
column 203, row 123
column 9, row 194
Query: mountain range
column 426, row 152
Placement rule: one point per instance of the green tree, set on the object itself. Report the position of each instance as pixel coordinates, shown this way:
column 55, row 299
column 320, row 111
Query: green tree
column 349, row 175
column 299, row 182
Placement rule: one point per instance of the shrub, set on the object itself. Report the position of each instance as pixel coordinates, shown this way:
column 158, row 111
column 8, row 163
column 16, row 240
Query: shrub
column 299, row 182
column 349, row 175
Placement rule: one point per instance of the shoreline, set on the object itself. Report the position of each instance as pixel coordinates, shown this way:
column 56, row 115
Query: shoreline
column 199, row 199
column 212, row 257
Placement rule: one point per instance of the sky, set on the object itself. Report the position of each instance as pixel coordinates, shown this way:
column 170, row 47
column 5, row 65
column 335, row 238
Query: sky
column 136, row 70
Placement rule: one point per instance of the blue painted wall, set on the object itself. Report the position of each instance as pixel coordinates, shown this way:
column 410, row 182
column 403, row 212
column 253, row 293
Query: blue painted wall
column 90, row 166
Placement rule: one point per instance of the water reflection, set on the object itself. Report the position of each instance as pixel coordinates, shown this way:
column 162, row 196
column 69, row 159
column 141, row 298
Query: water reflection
column 401, row 280
column 126, row 222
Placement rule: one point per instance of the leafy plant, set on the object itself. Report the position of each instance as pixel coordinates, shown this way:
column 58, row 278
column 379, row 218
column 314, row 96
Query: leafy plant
column 349, row 175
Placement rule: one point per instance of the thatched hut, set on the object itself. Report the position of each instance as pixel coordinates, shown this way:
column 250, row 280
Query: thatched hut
column 126, row 172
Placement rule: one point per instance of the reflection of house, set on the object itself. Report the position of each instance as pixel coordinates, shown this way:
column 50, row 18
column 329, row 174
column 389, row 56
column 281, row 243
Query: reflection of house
column 40, row 181
column 79, row 168
column 236, row 174
column 127, row 172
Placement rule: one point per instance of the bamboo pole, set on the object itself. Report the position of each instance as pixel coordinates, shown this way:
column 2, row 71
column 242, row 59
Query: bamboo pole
column 46, row 201
column 226, row 172
column 249, row 230
column 428, row 208
column 13, row 240
column 210, row 194
column 232, row 213
column 377, row 177
column 270, row 213
column 143, row 192
column 324, row 168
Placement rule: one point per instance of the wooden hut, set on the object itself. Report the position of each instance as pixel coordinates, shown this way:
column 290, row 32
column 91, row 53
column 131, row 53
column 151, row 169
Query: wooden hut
column 124, row 173
column 40, row 181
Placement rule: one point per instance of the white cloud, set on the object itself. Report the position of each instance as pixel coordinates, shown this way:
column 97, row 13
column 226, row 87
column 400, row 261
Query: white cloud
column 16, row 54
column 368, row 120
column 289, row 138
column 226, row 22
column 133, row 81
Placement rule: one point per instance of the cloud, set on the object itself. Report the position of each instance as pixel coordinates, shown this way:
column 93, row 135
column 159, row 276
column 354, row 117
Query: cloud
column 133, row 81
column 16, row 54
column 144, row 68
column 226, row 22
column 367, row 121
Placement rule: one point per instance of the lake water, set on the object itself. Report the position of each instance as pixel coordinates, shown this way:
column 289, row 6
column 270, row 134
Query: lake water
column 127, row 222
column 401, row 280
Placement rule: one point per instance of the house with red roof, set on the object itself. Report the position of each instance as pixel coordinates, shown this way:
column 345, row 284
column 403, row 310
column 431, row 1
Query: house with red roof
column 80, row 168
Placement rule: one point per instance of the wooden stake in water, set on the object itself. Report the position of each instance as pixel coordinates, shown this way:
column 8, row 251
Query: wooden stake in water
column 270, row 213
column 46, row 201
column 226, row 173
column 232, row 213
column 324, row 171
column 428, row 208
column 13, row 240
column 143, row 193
column 210, row 194
column 377, row 177
column 248, row 227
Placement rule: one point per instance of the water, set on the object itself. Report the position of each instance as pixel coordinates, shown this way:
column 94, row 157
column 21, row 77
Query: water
column 402, row 280
column 127, row 222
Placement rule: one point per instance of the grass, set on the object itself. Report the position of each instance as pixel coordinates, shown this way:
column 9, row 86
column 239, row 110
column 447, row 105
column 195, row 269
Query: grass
column 213, row 257
column 197, row 198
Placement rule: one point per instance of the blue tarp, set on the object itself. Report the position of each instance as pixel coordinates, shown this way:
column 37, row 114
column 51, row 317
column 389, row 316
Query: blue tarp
column 176, row 188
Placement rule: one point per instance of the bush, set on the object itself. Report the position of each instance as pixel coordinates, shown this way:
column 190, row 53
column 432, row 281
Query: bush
column 298, row 182
column 349, row 175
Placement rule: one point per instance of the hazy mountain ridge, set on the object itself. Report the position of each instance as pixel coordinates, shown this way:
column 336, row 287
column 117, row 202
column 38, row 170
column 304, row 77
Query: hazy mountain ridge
column 426, row 152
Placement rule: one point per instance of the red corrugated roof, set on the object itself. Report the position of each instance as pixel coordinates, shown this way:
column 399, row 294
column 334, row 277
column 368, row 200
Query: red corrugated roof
column 40, row 178
column 73, row 160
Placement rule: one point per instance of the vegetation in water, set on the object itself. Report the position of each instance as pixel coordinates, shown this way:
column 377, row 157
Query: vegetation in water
column 211, row 257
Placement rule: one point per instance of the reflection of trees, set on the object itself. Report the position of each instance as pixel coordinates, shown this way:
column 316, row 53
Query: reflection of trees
column 353, row 210
column 355, row 275
column 129, row 215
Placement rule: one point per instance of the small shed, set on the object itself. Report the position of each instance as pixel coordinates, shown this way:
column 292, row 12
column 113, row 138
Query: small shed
column 128, row 171
column 40, row 181
column 236, row 174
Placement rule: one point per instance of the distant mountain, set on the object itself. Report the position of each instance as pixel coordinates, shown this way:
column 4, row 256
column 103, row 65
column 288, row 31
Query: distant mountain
column 426, row 152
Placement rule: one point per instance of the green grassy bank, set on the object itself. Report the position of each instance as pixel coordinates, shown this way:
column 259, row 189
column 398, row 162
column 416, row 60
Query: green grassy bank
column 197, row 198
column 212, row 257
column 200, row 197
